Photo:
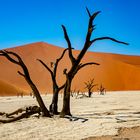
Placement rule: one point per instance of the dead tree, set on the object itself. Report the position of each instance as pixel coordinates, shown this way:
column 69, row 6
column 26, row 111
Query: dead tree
column 89, row 85
column 20, row 114
column 101, row 90
column 2, row 113
column 81, row 95
column 56, row 88
column 16, row 59
column 76, row 62
column 73, row 92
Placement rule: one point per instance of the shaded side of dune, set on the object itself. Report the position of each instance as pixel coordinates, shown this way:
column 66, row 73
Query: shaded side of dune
column 10, row 90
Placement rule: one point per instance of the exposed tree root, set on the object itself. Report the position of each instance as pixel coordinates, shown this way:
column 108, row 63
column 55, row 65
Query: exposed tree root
column 20, row 110
column 26, row 112
column 2, row 113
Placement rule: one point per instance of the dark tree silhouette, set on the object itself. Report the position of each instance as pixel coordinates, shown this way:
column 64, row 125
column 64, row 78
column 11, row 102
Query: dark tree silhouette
column 20, row 114
column 16, row 59
column 56, row 88
column 89, row 85
column 101, row 90
column 76, row 62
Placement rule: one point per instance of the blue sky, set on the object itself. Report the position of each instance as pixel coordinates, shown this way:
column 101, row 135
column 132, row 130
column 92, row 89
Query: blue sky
column 27, row 21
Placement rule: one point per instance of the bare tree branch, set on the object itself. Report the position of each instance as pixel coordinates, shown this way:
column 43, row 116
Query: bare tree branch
column 69, row 44
column 91, row 27
column 20, row 73
column 45, row 65
column 14, row 54
column 86, row 64
column 59, row 59
column 53, row 76
column 19, row 62
column 62, row 55
column 61, row 87
column 4, row 53
column 94, row 15
column 88, row 12
column 108, row 38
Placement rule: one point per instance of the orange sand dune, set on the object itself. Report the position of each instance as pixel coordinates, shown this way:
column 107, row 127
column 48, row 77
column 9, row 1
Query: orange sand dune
column 8, row 89
column 116, row 72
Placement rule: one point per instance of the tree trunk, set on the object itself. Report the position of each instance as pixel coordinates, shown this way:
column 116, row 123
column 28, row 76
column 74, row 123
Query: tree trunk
column 44, row 110
column 66, row 98
column 89, row 93
column 54, row 105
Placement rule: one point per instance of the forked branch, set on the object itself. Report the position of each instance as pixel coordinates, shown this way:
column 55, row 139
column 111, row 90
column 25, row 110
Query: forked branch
column 53, row 72
column 90, row 29
column 62, row 55
column 4, row 53
column 86, row 64
column 59, row 59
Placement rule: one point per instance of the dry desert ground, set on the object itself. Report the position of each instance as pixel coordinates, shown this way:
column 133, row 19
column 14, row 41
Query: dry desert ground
column 100, row 115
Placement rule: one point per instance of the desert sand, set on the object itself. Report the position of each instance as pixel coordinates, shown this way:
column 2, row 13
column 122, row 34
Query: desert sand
column 116, row 72
column 132, row 133
column 105, row 115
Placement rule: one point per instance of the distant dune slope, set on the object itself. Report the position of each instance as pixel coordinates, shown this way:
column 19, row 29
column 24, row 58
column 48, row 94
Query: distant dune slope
column 116, row 72
column 8, row 89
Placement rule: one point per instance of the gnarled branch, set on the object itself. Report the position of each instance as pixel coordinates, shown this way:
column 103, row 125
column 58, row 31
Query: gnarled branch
column 53, row 72
column 45, row 65
column 59, row 59
column 62, row 55
column 4, row 53
column 86, row 64
column 20, row 62
column 24, row 113
column 108, row 38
